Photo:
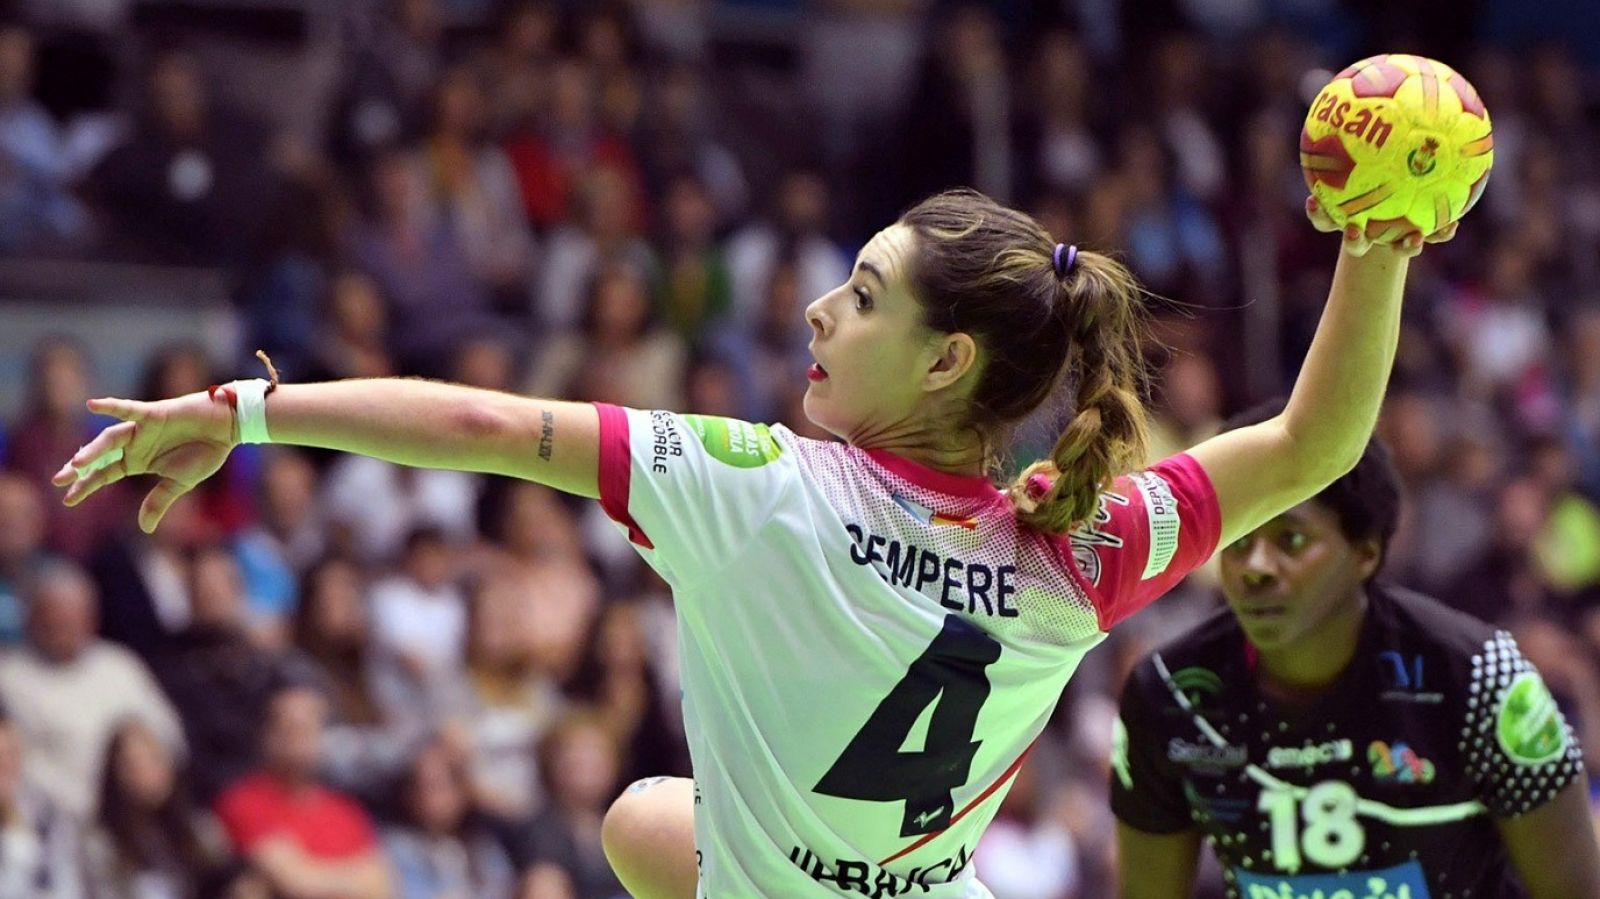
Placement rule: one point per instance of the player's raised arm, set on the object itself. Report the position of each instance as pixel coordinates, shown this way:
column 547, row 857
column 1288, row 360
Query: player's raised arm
column 1264, row 469
column 185, row 440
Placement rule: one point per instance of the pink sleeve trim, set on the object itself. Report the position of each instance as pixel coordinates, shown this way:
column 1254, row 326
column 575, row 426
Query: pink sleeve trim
column 1210, row 509
column 1188, row 478
column 616, row 470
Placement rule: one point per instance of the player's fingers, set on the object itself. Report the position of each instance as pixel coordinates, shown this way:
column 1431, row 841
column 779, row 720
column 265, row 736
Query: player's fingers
column 1410, row 245
column 1355, row 240
column 85, row 487
column 1319, row 217
column 127, row 410
column 1443, row 234
column 157, row 502
column 105, row 449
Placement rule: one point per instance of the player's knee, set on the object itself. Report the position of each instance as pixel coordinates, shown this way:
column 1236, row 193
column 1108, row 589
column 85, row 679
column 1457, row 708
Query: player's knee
column 648, row 837
column 630, row 823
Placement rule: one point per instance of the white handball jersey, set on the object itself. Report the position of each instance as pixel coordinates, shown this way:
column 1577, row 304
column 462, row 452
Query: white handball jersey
column 870, row 647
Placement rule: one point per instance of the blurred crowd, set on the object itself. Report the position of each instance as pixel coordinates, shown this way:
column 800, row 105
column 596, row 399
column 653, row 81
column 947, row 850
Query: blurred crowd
column 328, row 676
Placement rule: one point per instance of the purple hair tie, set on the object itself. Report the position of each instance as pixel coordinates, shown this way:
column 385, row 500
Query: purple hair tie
column 1064, row 265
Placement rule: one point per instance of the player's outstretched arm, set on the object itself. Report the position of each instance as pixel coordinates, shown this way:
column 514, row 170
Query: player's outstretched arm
column 1156, row 865
column 428, row 424
column 1554, row 847
column 1261, row 470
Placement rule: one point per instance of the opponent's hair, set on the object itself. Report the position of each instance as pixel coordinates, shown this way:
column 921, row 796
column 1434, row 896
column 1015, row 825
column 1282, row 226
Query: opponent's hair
column 1365, row 500
column 990, row 271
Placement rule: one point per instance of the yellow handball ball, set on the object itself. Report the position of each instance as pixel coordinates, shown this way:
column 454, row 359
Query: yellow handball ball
column 1395, row 144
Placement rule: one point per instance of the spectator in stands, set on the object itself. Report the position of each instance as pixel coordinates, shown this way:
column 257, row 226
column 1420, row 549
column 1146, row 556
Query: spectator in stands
column 777, row 348
column 1028, row 852
column 1062, row 152
column 188, row 184
column 440, row 847
column 39, row 843
column 220, row 677
column 960, row 129
column 21, row 549
column 54, row 420
column 579, row 760
column 556, row 156
column 680, row 138
column 620, row 354
column 693, row 288
column 303, row 839
column 419, row 620
column 792, row 235
column 618, row 681
column 432, row 299
column 289, row 270
column 68, row 690
column 372, row 505
column 288, row 536
column 1582, row 424
column 511, row 702
column 144, row 581
column 151, row 842
column 605, row 231
column 1504, row 581
column 365, row 740
column 37, row 209
column 352, row 338
column 470, row 185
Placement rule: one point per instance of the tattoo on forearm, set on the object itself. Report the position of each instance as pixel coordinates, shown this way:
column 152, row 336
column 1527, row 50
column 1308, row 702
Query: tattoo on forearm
column 547, row 434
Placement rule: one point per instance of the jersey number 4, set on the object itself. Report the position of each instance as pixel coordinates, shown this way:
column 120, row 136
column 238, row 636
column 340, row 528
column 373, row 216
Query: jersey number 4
column 950, row 672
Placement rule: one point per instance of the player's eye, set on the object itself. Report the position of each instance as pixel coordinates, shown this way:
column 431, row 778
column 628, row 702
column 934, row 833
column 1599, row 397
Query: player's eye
column 863, row 299
column 1292, row 541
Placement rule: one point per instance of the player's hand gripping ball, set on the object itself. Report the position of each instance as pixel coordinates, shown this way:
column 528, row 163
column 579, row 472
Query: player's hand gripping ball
column 1397, row 144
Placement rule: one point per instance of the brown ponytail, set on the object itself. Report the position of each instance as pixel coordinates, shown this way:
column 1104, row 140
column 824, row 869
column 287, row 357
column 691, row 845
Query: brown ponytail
column 1107, row 434
column 990, row 271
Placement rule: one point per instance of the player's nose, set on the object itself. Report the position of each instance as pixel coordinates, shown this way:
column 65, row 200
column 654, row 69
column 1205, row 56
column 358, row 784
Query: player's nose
column 1259, row 568
column 817, row 318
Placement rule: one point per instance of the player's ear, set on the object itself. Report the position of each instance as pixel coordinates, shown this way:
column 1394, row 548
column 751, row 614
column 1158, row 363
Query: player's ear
column 1369, row 557
column 954, row 355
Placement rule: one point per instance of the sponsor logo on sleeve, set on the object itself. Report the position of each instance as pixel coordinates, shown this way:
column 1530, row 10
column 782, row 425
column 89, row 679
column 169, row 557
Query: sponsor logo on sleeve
column 665, row 441
column 734, row 442
column 1161, row 510
column 1529, row 726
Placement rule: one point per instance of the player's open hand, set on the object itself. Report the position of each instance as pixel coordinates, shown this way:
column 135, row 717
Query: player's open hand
column 182, row 441
column 1357, row 242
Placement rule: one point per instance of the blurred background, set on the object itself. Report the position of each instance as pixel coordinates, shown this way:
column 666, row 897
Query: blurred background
column 632, row 202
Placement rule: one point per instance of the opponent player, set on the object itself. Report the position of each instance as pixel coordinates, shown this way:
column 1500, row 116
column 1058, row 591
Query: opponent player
column 872, row 633
column 1331, row 735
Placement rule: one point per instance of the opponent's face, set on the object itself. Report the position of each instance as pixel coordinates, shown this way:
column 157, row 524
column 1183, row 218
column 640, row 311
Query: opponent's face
column 1288, row 578
column 878, row 365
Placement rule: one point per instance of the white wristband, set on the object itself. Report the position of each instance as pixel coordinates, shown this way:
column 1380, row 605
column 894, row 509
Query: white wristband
column 251, row 413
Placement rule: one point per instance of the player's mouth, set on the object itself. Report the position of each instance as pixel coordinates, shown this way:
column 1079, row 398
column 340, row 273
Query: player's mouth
column 816, row 372
column 1262, row 612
